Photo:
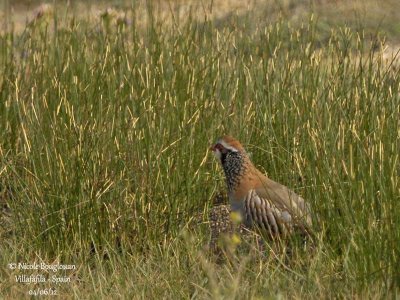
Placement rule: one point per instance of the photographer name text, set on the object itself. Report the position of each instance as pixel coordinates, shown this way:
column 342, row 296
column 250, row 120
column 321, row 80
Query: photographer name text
column 41, row 266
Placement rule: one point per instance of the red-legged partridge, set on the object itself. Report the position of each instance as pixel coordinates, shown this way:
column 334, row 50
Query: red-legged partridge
column 261, row 202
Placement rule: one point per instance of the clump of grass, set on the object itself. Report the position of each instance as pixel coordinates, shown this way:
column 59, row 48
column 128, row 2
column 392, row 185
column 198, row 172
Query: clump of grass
column 104, row 135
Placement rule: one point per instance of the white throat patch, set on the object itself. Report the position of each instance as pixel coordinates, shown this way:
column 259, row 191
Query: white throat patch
column 217, row 154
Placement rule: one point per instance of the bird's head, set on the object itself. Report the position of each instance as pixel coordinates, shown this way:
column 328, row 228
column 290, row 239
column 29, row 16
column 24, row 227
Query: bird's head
column 225, row 146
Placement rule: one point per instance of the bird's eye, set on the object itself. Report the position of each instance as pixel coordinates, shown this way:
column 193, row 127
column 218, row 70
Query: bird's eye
column 221, row 148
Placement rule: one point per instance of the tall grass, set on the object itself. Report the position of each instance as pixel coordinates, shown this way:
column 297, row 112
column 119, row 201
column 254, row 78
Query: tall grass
column 104, row 137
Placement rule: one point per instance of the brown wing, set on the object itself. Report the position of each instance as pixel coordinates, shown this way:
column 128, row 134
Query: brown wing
column 286, row 201
column 263, row 214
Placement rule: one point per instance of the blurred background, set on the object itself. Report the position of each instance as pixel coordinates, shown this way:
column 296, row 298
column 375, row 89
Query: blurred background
column 374, row 16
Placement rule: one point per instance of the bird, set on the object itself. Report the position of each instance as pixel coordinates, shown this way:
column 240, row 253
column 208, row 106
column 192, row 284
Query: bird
column 261, row 203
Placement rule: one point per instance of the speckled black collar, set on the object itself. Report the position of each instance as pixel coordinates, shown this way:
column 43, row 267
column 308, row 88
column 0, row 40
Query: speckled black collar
column 234, row 167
